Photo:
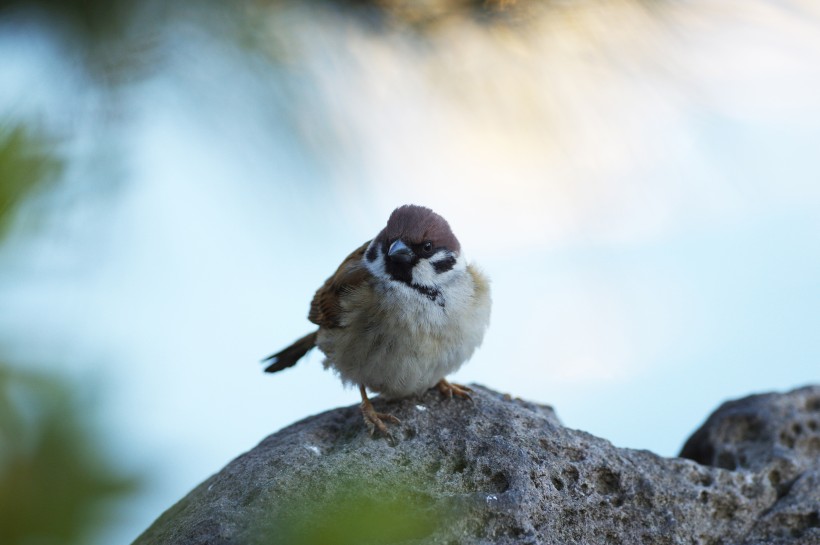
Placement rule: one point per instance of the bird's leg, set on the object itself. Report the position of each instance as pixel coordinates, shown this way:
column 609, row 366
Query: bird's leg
column 451, row 389
column 374, row 420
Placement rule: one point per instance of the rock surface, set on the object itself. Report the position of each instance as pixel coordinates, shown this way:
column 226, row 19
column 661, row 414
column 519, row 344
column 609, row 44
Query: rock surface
column 501, row 471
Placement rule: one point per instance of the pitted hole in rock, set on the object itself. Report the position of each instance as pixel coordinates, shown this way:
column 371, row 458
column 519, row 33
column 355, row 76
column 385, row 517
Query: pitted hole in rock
column 748, row 428
column 751, row 490
column 607, row 482
column 557, row 483
column 805, row 522
column 775, row 478
column 460, row 465
column 702, row 478
column 499, row 483
column 572, row 475
column 519, row 534
column 576, row 454
column 787, row 439
column 547, row 446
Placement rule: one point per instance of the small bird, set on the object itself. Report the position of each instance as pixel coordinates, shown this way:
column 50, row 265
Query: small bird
column 399, row 314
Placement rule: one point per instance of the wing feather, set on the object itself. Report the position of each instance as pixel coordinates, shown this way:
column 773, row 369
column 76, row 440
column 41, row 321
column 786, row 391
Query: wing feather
column 326, row 309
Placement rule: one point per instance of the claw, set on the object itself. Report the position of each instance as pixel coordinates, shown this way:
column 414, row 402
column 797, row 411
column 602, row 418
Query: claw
column 451, row 389
column 376, row 421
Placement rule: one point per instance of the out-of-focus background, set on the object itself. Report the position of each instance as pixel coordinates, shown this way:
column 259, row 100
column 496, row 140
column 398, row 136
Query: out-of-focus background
column 640, row 178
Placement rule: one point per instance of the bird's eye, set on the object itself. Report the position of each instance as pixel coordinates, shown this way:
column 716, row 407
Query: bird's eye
column 427, row 247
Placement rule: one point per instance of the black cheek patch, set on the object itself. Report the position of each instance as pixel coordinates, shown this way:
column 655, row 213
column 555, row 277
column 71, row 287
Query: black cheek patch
column 444, row 265
column 372, row 253
column 431, row 293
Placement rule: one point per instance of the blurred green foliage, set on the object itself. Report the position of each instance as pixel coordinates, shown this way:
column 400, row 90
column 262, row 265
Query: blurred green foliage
column 56, row 486
column 28, row 164
column 357, row 511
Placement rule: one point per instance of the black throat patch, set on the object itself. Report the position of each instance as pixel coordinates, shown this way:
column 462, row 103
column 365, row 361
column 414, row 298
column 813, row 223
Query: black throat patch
column 403, row 272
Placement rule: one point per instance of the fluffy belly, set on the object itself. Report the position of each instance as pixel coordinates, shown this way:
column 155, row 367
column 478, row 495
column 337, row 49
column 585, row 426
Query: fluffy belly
column 407, row 346
column 396, row 365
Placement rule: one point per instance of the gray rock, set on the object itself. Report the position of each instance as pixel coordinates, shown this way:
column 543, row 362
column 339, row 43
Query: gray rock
column 776, row 437
column 501, row 471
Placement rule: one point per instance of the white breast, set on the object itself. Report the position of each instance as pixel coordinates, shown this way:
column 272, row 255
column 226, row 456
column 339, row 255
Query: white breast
column 398, row 341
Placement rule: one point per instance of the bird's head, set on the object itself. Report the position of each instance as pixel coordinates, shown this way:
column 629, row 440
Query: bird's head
column 416, row 247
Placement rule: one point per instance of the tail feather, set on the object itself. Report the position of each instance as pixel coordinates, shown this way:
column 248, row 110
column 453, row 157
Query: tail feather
column 290, row 355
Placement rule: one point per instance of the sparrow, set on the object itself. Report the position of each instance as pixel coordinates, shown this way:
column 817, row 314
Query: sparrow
column 400, row 313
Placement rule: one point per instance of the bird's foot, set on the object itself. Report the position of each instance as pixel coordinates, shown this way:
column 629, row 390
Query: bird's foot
column 375, row 420
column 451, row 389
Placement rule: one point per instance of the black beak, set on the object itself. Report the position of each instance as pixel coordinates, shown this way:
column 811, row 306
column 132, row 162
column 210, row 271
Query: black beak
column 400, row 253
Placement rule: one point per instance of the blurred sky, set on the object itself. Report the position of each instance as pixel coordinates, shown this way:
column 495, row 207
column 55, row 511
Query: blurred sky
column 642, row 186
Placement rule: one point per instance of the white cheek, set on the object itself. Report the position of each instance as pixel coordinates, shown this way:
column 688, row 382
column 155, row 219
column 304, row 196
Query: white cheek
column 376, row 267
column 424, row 274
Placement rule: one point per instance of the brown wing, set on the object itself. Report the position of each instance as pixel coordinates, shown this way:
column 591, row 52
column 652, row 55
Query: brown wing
column 325, row 309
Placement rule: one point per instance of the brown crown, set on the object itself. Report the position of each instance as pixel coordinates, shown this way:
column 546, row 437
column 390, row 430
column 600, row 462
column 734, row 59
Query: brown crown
column 416, row 224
